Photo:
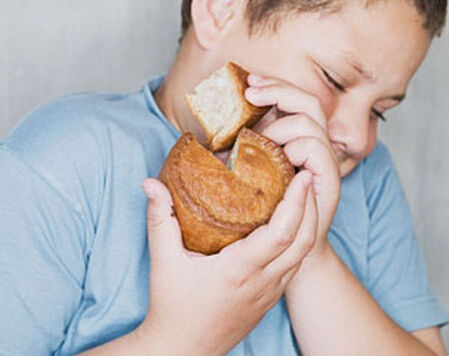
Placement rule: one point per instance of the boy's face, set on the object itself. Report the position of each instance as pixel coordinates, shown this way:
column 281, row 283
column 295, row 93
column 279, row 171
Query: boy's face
column 357, row 62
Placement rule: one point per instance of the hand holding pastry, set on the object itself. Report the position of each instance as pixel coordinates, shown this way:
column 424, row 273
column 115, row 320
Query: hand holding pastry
column 190, row 292
column 303, row 133
column 255, row 219
column 217, row 204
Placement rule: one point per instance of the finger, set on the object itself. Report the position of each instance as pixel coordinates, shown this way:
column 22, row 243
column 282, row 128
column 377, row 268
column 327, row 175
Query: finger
column 286, row 278
column 270, row 240
column 294, row 126
column 164, row 234
column 255, row 80
column 313, row 154
column 304, row 241
column 288, row 99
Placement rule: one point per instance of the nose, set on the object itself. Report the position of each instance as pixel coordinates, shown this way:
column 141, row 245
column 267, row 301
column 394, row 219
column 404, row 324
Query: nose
column 349, row 129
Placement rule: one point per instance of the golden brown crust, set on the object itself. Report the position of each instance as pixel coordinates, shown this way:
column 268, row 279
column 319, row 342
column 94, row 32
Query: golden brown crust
column 275, row 154
column 215, row 206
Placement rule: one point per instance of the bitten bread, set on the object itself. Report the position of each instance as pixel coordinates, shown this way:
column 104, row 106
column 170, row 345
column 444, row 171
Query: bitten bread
column 216, row 205
column 219, row 105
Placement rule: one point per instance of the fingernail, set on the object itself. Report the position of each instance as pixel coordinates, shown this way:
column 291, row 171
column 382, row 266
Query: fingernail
column 254, row 78
column 253, row 91
column 149, row 190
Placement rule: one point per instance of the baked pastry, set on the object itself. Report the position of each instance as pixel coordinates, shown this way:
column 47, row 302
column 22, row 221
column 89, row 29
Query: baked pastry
column 217, row 204
column 219, row 105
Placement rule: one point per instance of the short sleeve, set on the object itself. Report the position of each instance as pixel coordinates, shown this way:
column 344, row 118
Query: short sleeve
column 397, row 276
column 42, row 261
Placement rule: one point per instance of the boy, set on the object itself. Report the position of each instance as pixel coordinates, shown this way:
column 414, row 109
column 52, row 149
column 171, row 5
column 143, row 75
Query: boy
column 74, row 262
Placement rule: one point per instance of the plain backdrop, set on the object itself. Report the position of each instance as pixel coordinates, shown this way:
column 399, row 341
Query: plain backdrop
column 53, row 47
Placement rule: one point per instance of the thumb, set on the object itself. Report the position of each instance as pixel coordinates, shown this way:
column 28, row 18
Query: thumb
column 164, row 234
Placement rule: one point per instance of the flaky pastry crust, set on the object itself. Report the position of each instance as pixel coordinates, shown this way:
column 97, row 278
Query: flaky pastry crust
column 216, row 206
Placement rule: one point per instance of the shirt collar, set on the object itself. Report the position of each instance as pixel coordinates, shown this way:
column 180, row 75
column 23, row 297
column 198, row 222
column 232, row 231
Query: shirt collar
column 149, row 89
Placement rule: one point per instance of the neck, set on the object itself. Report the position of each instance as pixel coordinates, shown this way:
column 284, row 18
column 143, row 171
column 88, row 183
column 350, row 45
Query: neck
column 190, row 67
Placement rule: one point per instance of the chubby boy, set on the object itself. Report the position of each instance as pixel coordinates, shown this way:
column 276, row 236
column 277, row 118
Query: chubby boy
column 336, row 271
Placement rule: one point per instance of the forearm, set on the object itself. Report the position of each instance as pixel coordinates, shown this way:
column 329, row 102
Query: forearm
column 142, row 342
column 129, row 344
column 332, row 314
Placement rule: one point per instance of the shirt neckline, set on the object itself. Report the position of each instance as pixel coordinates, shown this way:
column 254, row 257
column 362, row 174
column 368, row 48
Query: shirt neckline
column 150, row 87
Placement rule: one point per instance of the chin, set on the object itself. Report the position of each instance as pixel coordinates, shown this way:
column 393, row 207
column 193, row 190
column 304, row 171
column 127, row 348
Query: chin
column 347, row 166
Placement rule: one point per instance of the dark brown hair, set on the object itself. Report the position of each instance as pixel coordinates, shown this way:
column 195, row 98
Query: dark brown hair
column 262, row 14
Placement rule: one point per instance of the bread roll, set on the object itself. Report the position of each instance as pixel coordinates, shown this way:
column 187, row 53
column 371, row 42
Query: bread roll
column 219, row 105
column 216, row 205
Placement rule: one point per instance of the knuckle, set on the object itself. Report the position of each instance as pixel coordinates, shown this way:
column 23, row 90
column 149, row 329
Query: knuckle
column 272, row 300
column 154, row 222
column 311, row 125
column 316, row 104
column 316, row 143
column 284, row 239
column 243, row 278
column 303, row 120
column 238, row 282
column 311, row 145
column 269, row 295
column 259, row 297
column 319, row 144
column 271, row 91
column 308, row 242
column 238, row 277
column 289, row 275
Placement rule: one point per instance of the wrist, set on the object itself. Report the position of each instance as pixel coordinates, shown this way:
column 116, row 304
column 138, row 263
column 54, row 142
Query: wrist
column 154, row 338
column 315, row 264
column 317, row 259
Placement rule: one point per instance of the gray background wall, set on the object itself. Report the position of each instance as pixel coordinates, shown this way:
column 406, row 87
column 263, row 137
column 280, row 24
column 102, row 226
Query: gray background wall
column 52, row 47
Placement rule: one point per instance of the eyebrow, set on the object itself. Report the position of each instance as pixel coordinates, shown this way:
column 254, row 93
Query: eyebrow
column 355, row 64
column 398, row 98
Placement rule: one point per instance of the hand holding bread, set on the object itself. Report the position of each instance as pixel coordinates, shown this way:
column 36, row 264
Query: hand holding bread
column 211, row 303
column 189, row 292
column 217, row 205
column 302, row 131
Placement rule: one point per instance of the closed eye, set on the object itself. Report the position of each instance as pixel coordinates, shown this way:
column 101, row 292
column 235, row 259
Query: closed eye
column 340, row 87
column 379, row 115
column 334, row 82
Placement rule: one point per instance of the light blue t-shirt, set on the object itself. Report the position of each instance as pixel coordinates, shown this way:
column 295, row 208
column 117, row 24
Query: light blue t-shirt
column 74, row 262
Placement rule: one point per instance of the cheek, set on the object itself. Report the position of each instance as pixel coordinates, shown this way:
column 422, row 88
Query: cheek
column 311, row 82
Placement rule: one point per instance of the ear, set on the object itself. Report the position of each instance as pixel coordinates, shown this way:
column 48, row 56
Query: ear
column 211, row 18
